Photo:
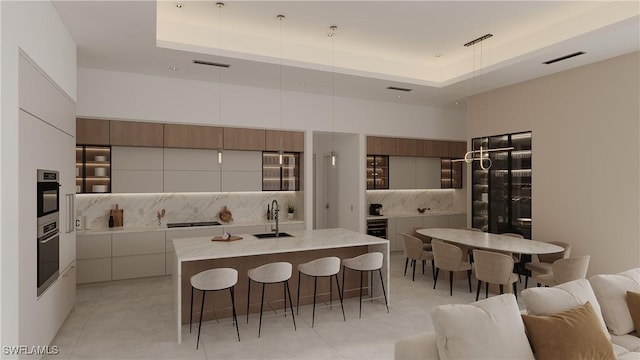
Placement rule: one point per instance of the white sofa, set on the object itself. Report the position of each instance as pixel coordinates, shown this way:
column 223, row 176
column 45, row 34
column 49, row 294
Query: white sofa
column 606, row 293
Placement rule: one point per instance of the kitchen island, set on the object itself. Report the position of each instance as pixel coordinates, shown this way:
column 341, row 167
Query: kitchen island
column 193, row 255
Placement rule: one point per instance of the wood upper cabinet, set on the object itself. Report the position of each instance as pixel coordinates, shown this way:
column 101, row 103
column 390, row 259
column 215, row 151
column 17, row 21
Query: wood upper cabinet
column 243, row 139
column 457, row 149
column 291, row 140
column 129, row 133
column 377, row 145
column 92, row 131
column 192, row 136
column 408, row 147
column 435, row 148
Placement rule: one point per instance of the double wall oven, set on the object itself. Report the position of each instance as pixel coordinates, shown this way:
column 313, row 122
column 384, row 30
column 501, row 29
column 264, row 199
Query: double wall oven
column 48, row 239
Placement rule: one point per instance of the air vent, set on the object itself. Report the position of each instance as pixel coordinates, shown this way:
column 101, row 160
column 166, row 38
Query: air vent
column 398, row 88
column 481, row 38
column 563, row 57
column 202, row 62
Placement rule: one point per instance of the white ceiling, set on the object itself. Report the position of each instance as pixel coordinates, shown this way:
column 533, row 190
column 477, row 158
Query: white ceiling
column 377, row 44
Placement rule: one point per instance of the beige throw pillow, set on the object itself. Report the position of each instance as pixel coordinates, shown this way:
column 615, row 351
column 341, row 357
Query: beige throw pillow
column 571, row 334
column 633, row 303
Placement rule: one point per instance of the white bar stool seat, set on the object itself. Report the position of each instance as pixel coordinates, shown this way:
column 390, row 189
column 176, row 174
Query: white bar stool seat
column 365, row 262
column 214, row 280
column 272, row 273
column 322, row 267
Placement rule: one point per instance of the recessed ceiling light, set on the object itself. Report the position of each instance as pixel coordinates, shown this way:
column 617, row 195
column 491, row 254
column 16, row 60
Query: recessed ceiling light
column 302, row 84
column 457, row 102
column 179, row 6
column 173, row 68
column 438, row 55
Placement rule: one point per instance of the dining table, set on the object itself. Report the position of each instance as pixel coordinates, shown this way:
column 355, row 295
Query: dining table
column 489, row 241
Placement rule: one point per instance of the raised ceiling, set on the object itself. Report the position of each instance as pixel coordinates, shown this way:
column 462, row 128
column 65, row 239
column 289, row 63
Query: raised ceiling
column 412, row 44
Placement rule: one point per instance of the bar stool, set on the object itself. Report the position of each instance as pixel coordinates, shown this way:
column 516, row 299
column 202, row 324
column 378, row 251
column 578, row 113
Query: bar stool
column 213, row 280
column 323, row 267
column 365, row 262
column 277, row 272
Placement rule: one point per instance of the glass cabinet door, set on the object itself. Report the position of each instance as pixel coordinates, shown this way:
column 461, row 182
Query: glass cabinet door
column 480, row 190
column 521, row 183
column 276, row 177
column 377, row 172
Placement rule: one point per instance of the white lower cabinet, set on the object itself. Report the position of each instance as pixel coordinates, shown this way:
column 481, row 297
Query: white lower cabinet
column 169, row 253
column 93, row 262
column 291, row 227
column 138, row 255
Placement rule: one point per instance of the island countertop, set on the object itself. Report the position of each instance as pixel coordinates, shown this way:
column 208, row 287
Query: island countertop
column 202, row 248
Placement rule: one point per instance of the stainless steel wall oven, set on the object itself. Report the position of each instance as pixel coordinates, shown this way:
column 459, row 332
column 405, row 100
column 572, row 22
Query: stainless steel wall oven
column 48, row 238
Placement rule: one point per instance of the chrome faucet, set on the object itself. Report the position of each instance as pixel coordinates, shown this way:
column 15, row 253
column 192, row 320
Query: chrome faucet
column 276, row 210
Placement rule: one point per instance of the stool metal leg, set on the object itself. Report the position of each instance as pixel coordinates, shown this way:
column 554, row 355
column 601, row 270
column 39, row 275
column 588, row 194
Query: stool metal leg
column 486, row 290
column 406, row 263
column 343, row 286
column 360, row 316
column 435, row 277
column 261, row 306
column 248, row 299
column 235, row 317
column 383, row 290
column 340, row 294
column 478, row 291
column 298, row 299
column 330, row 294
column 450, row 283
column 292, row 316
column 315, row 287
column 284, row 297
column 191, row 311
column 200, row 324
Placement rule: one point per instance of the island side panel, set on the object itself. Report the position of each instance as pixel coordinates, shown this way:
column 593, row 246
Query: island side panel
column 221, row 300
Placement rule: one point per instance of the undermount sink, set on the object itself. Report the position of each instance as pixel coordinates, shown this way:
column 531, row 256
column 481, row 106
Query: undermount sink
column 190, row 224
column 271, row 235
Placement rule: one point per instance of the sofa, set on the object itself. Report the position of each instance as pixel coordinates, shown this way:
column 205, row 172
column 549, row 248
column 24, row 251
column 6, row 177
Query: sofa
column 594, row 318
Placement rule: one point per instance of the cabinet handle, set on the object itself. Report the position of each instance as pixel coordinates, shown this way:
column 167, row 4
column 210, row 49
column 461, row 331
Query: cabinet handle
column 70, row 213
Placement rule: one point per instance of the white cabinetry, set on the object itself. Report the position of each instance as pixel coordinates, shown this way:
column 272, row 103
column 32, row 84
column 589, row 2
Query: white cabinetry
column 138, row 255
column 414, row 172
column 94, row 258
column 136, row 169
column 242, row 171
column 188, row 170
column 169, row 254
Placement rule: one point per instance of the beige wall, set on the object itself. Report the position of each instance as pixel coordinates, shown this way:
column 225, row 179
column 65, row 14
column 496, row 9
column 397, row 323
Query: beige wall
column 586, row 166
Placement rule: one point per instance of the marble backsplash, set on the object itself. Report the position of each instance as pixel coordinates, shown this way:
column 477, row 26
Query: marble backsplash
column 140, row 210
column 406, row 202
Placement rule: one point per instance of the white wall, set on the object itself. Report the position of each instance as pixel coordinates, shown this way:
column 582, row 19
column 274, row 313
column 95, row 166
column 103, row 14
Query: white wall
column 36, row 28
column 117, row 95
column 585, row 125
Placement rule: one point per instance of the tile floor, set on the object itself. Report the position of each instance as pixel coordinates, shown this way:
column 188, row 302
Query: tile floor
column 133, row 319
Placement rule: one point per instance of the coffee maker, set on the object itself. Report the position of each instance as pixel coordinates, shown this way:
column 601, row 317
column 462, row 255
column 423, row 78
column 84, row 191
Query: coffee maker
column 374, row 209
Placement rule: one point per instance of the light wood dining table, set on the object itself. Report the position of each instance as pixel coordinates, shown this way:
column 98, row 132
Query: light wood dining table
column 489, row 241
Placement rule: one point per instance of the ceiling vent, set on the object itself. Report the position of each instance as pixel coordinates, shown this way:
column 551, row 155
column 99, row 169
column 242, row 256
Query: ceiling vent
column 398, row 88
column 563, row 57
column 202, row 62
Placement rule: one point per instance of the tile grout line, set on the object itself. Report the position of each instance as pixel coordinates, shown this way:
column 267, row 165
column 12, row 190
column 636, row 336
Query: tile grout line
column 84, row 326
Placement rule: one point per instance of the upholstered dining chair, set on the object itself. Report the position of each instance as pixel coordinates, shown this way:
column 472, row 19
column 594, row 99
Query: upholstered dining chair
column 426, row 240
column 413, row 250
column 565, row 270
column 450, row 258
column 541, row 263
column 494, row 268
column 516, row 257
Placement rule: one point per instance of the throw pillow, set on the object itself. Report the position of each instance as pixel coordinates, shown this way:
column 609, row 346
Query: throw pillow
column 633, row 303
column 487, row 329
column 611, row 291
column 544, row 301
column 571, row 334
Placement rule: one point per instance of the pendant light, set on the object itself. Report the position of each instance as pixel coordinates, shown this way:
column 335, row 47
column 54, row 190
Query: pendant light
column 219, row 5
column 280, row 150
column 332, row 35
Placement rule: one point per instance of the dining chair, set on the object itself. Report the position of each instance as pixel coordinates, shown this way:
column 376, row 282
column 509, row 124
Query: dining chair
column 494, row 268
column 414, row 251
column 542, row 262
column 450, row 258
column 517, row 258
column 426, row 240
column 565, row 270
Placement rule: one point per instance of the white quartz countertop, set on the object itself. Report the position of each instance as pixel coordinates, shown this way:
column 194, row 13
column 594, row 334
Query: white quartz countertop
column 416, row 214
column 163, row 227
column 202, row 248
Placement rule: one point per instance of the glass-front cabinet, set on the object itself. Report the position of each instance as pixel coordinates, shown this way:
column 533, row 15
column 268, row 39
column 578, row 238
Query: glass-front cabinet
column 276, row 177
column 93, row 169
column 377, row 172
column 450, row 174
column 501, row 194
